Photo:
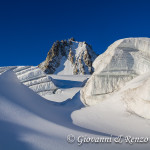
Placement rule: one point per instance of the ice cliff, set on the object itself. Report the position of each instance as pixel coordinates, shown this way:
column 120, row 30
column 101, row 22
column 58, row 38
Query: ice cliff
column 124, row 60
column 34, row 78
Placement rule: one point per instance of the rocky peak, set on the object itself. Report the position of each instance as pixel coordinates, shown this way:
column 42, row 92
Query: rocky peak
column 69, row 57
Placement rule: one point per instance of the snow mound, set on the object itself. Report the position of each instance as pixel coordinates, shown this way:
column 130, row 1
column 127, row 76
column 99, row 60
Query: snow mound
column 121, row 62
column 29, row 122
column 34, row 78
column 126, row 112
column 136, row 96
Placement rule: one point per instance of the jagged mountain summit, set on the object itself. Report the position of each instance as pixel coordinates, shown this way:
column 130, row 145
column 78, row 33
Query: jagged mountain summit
column 69, row 57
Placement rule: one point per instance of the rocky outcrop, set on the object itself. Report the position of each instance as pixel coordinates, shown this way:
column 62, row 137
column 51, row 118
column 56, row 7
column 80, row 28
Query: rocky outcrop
column 69, row 57
column 121, row 62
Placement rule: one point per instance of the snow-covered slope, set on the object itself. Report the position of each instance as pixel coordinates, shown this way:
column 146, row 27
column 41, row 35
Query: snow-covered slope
column 121, row 62
column 119, row 114
column 29, row 122
column 3, row 69
column 68, row 58
column 34, row 78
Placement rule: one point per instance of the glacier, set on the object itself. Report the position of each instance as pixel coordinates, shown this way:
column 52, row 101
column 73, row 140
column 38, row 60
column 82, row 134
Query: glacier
column 124, row 60
column 30, row 122
column 34, row 78
column 119, row 87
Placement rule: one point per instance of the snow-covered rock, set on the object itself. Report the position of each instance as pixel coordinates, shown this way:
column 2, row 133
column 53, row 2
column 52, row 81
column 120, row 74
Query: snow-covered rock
column 121, row 62
column 68, row 57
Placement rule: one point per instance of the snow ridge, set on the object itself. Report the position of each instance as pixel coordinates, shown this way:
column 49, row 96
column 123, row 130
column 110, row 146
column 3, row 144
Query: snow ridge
column 34, row 78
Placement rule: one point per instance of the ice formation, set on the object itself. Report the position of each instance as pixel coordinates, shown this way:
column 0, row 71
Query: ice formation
column 124, row 60
column 34, row 78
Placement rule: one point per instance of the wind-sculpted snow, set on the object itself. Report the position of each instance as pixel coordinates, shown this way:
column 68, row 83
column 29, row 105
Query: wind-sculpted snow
column 119, row 113
column 121, row 62
column 3, row 69
column 136, row 95
column 34, row 78
column 29, row 122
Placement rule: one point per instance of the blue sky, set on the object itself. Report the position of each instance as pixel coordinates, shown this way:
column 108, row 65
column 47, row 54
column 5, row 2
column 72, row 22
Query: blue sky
column 28, row 28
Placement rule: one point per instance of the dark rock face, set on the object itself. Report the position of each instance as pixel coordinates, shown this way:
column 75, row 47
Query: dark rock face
column 79, row 54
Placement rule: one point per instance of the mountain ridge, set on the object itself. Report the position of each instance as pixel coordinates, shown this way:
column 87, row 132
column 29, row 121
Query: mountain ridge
column 69, row 57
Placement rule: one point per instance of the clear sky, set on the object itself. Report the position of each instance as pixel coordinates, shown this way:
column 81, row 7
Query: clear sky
column 28, row 28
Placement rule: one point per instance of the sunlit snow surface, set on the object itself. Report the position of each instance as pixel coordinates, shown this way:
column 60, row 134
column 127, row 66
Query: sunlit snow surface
column 124, row 60
column 34, row 78
column 30, row 122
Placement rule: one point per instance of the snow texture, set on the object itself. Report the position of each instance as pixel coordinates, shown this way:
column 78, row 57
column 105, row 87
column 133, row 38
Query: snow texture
column 126, row 112
column 124, row 60
column 30, row 122
column 34, row 78
column 119, row 86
